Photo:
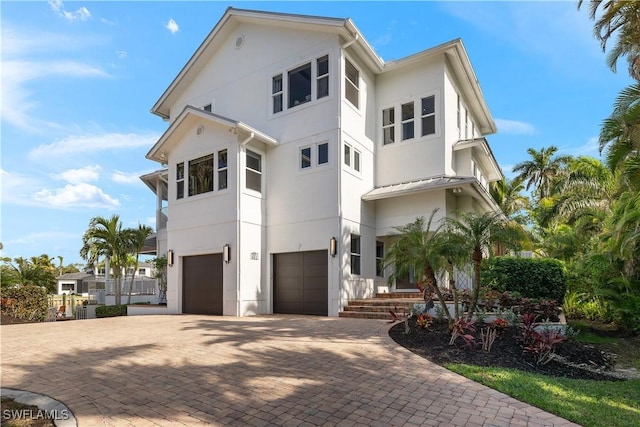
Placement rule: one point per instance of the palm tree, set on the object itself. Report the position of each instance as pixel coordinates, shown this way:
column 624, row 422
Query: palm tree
column 417, row 249
column 507, row 194
column 620, row 18
column 477, row 232
column 105, row 238
column 542, row 171
column 137, row 237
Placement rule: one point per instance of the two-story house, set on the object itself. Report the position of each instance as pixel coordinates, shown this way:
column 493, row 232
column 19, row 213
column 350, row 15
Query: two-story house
column 293, row 150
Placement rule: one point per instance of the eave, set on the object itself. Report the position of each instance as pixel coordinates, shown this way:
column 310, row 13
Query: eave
column 484, row 154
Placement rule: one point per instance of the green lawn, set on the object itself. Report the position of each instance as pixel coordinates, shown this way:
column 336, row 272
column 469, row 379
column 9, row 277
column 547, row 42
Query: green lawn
column 588, row 403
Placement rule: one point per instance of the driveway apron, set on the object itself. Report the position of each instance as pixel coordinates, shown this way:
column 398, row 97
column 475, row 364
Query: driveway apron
column 257, row 371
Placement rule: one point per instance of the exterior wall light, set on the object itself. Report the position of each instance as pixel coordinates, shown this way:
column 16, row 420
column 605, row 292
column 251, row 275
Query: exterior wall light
column 333, row 246
column 226, row 253
column 170, row 257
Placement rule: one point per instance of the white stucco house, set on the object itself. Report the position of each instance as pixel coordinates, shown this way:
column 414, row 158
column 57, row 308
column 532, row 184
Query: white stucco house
column 291, row 153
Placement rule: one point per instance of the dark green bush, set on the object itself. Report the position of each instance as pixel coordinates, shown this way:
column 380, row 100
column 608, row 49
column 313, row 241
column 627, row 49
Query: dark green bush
column 27, row 302
column 531, row 277
column 111, row 310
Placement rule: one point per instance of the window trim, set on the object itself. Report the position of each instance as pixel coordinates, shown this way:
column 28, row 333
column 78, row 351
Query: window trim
column 427, row 115
column 283, row 94
column 180, row 180
column 349, row 83
column 406, row 121
column 250, row 169
column 379, row 259
column 355, row 256
column 391, row 125
column 222, row 169
column 309, row 159
column 321, row 77
column 277, row 94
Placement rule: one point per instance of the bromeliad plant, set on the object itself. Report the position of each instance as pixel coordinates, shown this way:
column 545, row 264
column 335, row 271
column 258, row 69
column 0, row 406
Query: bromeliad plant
column 540, row 343
column 424, row 321
column 464, row 329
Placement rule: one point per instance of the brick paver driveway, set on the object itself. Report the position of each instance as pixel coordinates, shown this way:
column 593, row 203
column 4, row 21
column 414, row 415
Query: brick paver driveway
column 264, row 370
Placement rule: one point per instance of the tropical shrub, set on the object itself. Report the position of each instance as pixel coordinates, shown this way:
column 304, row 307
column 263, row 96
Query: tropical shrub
column 27, row 302
column 111, row 310
column 531, row 277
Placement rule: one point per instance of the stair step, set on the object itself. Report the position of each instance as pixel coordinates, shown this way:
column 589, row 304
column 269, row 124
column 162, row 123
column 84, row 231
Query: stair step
column 364, row 315
column 399, row 295
column 376, row 308
column 385, row 302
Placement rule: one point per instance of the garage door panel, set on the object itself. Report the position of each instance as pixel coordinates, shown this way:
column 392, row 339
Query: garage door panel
column 202, row 284
column 301, row 283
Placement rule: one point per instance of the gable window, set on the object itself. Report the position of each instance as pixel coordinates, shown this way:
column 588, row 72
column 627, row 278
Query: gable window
column 428, row 115
column 379, row 258
column 323, row 153
column 276, row 93
column 322, row 79
column 355, row 254
column 388, row 126
column 351, row 83
column 254, row 171
column 305, row 158
column 222, row 169
column 300, row 85
column 179, row 180
column 201, row 175
column 407, row 121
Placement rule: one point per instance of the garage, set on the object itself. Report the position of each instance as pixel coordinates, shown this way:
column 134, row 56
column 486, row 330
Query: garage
column 300, row 283
column 202, row 284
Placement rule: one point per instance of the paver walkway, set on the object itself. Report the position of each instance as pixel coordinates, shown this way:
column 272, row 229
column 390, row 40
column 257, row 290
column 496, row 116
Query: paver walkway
column 255, row 371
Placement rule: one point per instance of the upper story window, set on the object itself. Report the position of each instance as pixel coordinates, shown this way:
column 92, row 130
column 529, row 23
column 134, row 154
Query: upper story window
column 355, row 254
column 388, row 126
column 351, row 83
column 254, row 171
column 466, row 124
column 296, row 86
column 323, row 153
column 322, row 79
column 305, row 158
column 351, row 157
column 318, row 154
column 179, row 180
column 142, row 271
column 458, row 117
column 222, row 169
column 408, row 131
column 201, row 175
column 379, row 258
column 428, row 115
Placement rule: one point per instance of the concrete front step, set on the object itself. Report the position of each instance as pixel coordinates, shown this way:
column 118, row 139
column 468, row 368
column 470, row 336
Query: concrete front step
column 365, row 315
column 377, row 308
column 399, row 295
column 373, row 302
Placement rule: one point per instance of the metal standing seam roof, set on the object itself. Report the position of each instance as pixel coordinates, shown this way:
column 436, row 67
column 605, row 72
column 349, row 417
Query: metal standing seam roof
column 418, row 186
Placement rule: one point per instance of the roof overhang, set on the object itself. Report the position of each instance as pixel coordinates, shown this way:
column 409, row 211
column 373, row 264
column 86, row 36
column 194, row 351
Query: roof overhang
column 152, row 179
column 482, row 152
column 418, row 186
column 191, row 116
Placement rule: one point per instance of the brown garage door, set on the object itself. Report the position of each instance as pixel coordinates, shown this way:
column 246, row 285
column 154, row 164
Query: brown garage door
column 300, row 283
column 202, row 284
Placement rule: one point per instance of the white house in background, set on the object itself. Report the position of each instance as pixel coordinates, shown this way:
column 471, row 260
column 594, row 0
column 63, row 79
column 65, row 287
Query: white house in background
column 291, row 153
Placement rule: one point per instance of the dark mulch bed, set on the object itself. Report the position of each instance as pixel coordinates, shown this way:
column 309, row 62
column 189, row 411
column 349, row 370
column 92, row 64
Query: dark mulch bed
column 10, row 320
column 507, row 352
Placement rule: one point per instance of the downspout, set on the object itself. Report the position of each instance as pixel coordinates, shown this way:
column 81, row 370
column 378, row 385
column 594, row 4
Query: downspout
column 239, row 218
column 355, row 38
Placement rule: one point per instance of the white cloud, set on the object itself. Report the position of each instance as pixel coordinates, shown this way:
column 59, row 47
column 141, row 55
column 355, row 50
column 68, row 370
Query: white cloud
column 81, row 14
column 39, row 237
column 126, row 178
column 589, row 148
column 78, row 176
column 79, row 195
column 172, row 26
column 121, row 54
column 93, row 143
column 514, row 127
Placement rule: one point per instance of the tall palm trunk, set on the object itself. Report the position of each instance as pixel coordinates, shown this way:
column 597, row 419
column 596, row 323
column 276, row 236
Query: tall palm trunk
column 432, row 283
column 475, row 295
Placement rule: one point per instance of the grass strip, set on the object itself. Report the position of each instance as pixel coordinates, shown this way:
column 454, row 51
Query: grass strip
column 585, row 402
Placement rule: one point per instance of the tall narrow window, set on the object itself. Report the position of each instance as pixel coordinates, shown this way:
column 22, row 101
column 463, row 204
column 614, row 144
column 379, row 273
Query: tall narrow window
column 428, row 115
column 466, row 124
column 458, row 119
column 254, row 171
column 222, row 169
column 322, row 77
column 355, row 254
column 201, row 175
column 356, row 160
column 351, row 83
column 179, row 180
column 379, row 259
column 407, row 121
column 305, row 157
column 276, row 93
column 347, row 154
column 323, row 153
column 300, row 85
column 388, row 126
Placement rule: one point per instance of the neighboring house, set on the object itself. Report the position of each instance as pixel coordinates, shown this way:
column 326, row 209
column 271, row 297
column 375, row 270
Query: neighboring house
column 292, row 152
column 77, row 283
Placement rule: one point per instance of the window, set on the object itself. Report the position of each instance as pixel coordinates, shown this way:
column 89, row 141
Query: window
column 207, row 108
column 379, row 259
column 322, row 79
column 459, row 118
column 428, row 115
column 351, row 82
column 201, row 175
column 466, row 124
column 351, row 157
column 356, row 160
column 300, row 85
column 68, row 287
column 222, row 169
column 142, row 271
column 254, row 171
column 305, row 158
column 323, row 153
column 355, row 254
column 179, row 180
column 347, row 154
column 388, row 126
column 407, row 121
column 276, row 93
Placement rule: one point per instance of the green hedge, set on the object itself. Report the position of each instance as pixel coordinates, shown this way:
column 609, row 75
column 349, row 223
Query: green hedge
column 111, row 310
column 26, row 302
column 531, row 277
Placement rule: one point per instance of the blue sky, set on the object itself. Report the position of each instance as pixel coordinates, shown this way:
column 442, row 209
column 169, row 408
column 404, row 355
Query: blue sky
column 79, row 80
